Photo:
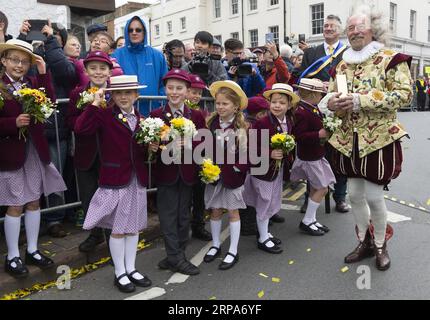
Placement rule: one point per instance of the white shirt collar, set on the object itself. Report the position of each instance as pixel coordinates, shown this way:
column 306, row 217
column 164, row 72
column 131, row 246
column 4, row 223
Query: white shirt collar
column 12, row 80
column 125, row 113
column 181, row 108
column 351, row 56
column 326, row 45
column 284, row 121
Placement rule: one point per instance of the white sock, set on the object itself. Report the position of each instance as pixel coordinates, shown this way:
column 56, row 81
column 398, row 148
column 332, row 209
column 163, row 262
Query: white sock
column 234, row 240
column 12, row 226
column 263, row 230
column 130, row 255
column 32, row 226
column 311, row 213
column 216, row 233
column 117, row 251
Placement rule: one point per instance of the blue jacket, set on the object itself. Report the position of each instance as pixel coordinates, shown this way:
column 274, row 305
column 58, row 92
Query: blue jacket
column 147, row 63
column 251, row 85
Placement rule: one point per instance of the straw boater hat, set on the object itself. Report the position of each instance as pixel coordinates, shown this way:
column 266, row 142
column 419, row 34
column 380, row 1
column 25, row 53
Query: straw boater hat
column 15, row 44
column 315, row 85
column 282, row 88
column 124, row 83
column 216, row 86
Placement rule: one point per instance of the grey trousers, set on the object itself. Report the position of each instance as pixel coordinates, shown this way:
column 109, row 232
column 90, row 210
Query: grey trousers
column 174, row 204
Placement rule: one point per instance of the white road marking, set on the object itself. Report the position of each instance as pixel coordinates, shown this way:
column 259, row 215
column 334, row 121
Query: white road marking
column 148, row 294
column 289, row 207
column 395, row 217
column 197, row 259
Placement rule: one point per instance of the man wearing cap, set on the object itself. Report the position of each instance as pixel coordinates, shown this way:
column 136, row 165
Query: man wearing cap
column 317, row 62
column 216, row 50
column 137, row 57
column 94, row 28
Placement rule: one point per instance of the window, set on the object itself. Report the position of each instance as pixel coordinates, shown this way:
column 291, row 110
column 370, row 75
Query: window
column 275, row 31
column 234, row 7
column 183, row 23
column 235, row 35
column 253, row 5
column 393, row 17
column 157, row 30
column 219, row 38
column 317, row 18
column 428, row 31
column 253, row 37
column 274, row 2
column 217, row 8
column 169, row 27
column 412, row 26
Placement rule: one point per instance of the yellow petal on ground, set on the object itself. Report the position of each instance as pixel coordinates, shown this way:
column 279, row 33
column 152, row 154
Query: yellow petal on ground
column 276, row 280
column 261, row 294
column 46, row 251
column 428, row 202
column 344, row 269
column 308, row 250
column 212, row 298
column 263, row 275
column 291, row 262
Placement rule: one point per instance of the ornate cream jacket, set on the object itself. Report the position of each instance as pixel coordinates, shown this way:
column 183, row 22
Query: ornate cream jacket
column 383, row 84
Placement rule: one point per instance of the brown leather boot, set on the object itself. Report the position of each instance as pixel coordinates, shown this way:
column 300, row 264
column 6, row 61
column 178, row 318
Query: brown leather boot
column 364, row 250
column 382, row 258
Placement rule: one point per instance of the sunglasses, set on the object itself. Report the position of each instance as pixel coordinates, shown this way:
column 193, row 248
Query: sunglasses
column 137, row 30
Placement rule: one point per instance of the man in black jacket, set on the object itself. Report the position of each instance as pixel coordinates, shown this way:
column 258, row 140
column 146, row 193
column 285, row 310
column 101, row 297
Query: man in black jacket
column 317, row 62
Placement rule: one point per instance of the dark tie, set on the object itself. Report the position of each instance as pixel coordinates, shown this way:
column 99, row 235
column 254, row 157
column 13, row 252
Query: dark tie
column 178, row 113
column 284, row 127
column 131, row 119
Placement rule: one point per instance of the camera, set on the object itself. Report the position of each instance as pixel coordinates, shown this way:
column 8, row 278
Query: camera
column 244, row 67
column 200, row 64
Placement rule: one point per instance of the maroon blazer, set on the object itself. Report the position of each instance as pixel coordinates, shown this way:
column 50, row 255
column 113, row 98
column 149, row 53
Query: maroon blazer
column 120, row 155
column 308, row 124
column 169, row 174
column 13, row 149
column 86, row 147
column 232, row 175
column 271, row 123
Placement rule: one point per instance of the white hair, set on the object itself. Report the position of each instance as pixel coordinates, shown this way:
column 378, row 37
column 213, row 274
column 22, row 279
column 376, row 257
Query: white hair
column 378, row 23
column 286, row 51
column 248, row 54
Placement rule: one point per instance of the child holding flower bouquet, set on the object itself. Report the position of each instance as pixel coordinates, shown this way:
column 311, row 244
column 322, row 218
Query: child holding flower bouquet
column 310, row 163
column 175, row 180
column 229, row 130
column 119, row 203
column 26, row 170
column 98, row 66
column 264, row 192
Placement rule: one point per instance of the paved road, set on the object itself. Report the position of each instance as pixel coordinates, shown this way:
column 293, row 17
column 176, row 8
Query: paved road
column 315, row 273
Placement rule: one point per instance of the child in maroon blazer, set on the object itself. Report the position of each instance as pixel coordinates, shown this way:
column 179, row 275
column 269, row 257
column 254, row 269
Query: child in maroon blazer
column 119, row 203
column 175, row 181
column 310, row 163
column 98, row 67
column 26, row 171
column 264, row 192
column 226, row 122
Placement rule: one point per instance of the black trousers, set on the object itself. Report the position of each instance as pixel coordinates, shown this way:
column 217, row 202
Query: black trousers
column 174, row 204
column 198, row 212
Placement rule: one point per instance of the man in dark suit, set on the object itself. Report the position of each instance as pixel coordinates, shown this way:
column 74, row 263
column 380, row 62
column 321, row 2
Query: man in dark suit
column 317, row 62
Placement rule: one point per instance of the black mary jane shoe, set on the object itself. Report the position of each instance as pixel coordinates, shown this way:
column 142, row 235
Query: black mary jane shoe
column 226, row 265
column 126, row 288
column 209, row 258
column 19, row 271
column 308, row 230
column 275, row 240
column 322, row 228
column 145, row 282
column 43, row 263
column 263, row 246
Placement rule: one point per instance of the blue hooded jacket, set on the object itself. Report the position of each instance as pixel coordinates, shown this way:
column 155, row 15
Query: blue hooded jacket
column 147, row 63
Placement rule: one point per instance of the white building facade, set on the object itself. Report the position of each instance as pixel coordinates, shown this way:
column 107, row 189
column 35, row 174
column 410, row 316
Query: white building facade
column 251, row 20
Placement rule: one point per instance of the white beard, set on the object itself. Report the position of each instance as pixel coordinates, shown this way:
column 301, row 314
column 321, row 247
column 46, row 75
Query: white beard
column 351, row 56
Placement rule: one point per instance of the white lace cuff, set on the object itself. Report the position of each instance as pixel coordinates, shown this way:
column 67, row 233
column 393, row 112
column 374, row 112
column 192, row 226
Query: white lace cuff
column 323, row 105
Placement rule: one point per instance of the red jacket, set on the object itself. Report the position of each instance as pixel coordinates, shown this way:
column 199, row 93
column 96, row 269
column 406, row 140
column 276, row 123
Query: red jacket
column 120, row 156
column 232, row 174
column 169, row 174
column 271, row 123
column 13, row 149
column 306, row 131
column 86, row 147
column 279, row 73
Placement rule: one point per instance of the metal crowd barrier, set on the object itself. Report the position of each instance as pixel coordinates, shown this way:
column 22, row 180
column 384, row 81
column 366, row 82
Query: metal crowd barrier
column 158, row 100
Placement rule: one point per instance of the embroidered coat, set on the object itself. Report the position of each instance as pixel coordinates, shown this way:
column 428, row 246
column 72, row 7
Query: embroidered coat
column 384, row 84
